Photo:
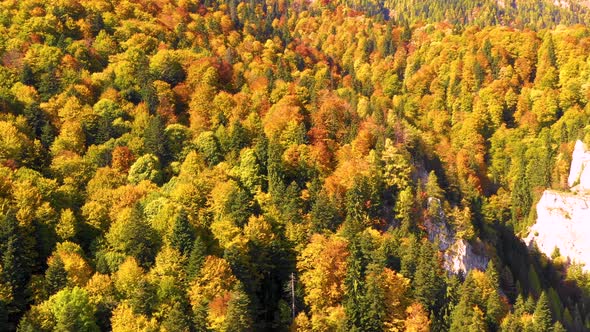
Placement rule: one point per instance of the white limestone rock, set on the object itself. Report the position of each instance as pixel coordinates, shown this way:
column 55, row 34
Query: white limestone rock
column 463, row 256
column 459, row 255
column 563, row 218
column 579, row 178
column 563, row 221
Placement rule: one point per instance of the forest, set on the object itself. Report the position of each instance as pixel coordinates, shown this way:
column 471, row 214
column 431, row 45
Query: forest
column 225, row 165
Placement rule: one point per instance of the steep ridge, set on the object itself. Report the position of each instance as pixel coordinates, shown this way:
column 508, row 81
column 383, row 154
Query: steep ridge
column 563, row 218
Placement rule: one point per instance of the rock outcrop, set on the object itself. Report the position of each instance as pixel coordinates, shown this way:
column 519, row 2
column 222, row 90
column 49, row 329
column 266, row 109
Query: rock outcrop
column 563, row 218
column 579, row 178
column 459, row 255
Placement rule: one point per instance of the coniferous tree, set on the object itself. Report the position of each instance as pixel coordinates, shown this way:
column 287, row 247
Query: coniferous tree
column 16, row 258
column 354, row 304
column 56, row 276
column 428, row 284
column 196, row 258
column 374, row 301
column 154, row 138
column 238, row 317
column 542, row 315
column 183, row 234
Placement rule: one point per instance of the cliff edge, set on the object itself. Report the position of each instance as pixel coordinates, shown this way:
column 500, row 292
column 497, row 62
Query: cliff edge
column 563, row 218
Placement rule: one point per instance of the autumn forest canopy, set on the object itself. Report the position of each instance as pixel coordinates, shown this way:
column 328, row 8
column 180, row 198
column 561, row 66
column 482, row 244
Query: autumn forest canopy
column 284, row 165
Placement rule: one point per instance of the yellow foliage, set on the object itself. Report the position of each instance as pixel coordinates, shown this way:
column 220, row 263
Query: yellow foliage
column 78, row 270
column 169, row 262
column 124, row 320
column 226, row 232
column 396, row 289
column 417, row 320
column 323, row 269
column 259, row 230
column 12, row 141
column 100, row 289
column 66, row 226
column 216, row 278
column 129, row 275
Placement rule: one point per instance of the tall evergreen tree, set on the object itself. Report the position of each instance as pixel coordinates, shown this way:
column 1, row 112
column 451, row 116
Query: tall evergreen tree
column 154, row 138
column 183, row 234
column 542, row 315
column 238, row 317
column 428, row 283
column 354, row 304
column 56, row 276
column 196, row 258
column 373, row 301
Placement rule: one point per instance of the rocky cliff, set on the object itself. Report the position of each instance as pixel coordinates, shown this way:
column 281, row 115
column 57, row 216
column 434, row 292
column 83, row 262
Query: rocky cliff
column 563, row 218
column 459, row 255
column 579, row 178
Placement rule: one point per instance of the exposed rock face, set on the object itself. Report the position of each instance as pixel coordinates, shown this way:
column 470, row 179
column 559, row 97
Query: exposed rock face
column 563, row 218
column 563, row 221
column 459, row 255
column 463, row 256
column 579, row 178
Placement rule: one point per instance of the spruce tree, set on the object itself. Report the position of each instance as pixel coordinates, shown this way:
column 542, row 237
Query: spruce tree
column 355, row 287
column 519, row 306
column 183, row 234
column 56, row 277
column 428, row 283
column 373, row 301
column 542, row 315
column 177, row 319
column 238, row 317
column 16, row 257
column 324, row 214
column 196, row 258
column 154, row 138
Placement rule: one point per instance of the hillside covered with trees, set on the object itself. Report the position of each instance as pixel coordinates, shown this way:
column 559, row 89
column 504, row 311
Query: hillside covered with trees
column 203, row 165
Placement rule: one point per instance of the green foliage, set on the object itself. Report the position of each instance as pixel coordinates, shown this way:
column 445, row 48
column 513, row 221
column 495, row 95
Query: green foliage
column 146, row 167
column 56, row 276
column 72, row 311
column 238, row 317
column 132, row 237
column 208, row 145
column 182, row 236
column 312, row 146
column 542, row 315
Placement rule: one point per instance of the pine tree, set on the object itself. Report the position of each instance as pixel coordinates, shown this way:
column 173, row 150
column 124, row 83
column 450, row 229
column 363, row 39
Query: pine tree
column 196, row 258
column 238, row 317
column 56, row 276
column 355, row 287
column 183, row 234
column 542, row 315
column 428, row 283
column 374, row 301
column 154, row 138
